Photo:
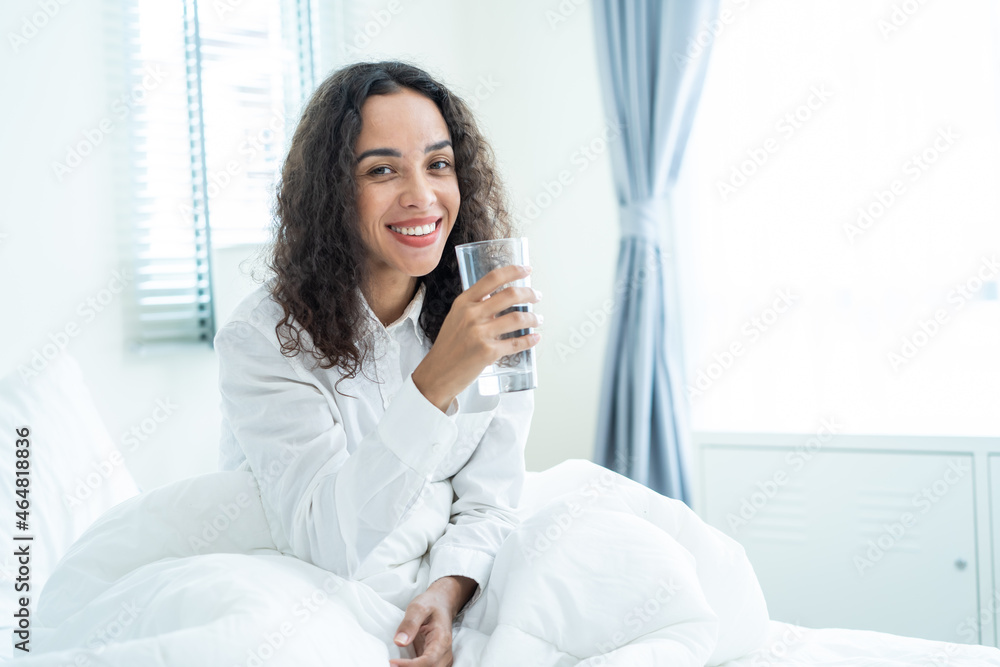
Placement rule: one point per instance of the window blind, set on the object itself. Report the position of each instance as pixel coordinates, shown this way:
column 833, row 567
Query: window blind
column 207, row 143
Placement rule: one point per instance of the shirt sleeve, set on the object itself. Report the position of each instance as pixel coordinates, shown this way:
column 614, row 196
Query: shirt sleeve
column 334, row 507
column 487, row 491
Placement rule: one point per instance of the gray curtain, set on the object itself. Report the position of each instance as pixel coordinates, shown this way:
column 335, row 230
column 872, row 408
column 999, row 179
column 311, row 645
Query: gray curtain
column 652, row 57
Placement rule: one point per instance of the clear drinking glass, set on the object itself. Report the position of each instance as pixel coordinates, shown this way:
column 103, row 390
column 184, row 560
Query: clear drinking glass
column 513, row 372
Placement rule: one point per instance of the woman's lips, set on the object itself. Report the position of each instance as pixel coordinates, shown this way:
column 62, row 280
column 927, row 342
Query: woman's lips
column 418, row 241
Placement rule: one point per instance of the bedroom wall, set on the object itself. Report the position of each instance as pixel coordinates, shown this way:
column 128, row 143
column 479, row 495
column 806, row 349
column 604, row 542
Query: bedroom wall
column 60, row 240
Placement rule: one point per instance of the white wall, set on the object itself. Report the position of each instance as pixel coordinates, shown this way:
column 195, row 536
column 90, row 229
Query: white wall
column 60, row 241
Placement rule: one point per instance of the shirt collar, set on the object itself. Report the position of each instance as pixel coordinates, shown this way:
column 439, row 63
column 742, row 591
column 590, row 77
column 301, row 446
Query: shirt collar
column 409, row 318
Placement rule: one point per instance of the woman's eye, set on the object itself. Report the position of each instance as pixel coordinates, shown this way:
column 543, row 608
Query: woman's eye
column 385, row 170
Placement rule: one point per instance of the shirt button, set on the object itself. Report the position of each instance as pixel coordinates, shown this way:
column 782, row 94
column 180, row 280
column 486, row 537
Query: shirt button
column 436, row 446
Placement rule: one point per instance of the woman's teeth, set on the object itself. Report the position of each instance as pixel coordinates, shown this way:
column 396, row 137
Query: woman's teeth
column 414, row 231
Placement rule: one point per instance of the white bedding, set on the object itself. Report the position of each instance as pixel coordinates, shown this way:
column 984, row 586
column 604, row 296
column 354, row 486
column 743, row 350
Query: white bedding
column 602, row 571
column 77, row 472
column 790, row 645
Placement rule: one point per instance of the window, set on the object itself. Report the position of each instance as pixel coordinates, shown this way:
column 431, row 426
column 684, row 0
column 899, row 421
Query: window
column 839, row 256
column 224, row 82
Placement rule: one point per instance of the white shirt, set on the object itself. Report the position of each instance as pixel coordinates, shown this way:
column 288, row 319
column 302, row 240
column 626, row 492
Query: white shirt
column 383, row 488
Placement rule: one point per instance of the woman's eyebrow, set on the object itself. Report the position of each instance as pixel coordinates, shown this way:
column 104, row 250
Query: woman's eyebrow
column 392, row 152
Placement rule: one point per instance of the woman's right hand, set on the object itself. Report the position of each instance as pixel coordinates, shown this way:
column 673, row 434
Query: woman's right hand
column 469, row 339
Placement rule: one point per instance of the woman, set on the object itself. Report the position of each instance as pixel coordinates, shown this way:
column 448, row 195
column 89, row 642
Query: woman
column 347, row 379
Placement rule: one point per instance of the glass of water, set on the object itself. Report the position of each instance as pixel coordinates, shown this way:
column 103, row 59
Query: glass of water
column 513, row 372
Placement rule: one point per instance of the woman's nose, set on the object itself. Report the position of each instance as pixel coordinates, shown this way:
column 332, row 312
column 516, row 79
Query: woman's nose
column 418, row 192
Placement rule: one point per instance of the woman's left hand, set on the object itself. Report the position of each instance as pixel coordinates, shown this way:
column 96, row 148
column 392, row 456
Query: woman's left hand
column 427, row 623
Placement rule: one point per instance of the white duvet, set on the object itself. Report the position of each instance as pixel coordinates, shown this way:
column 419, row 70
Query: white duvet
column 602, row 571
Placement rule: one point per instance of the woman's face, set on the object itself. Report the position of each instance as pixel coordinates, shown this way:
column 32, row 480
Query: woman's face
column 407, row 184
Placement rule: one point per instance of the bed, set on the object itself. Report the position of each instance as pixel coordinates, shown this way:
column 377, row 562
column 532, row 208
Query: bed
column 790, row 645
column 189, row 574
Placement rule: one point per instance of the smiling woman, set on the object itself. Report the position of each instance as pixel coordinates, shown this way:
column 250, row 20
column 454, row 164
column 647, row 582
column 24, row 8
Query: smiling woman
column 412, row 489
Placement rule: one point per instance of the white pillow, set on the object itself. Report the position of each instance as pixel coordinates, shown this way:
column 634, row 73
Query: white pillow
column 76, row 472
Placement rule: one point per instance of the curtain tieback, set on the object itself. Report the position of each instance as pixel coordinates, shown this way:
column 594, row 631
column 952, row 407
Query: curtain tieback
column 646, row 218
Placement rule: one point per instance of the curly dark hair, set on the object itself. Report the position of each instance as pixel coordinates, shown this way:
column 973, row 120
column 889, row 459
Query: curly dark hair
column 317, row 250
